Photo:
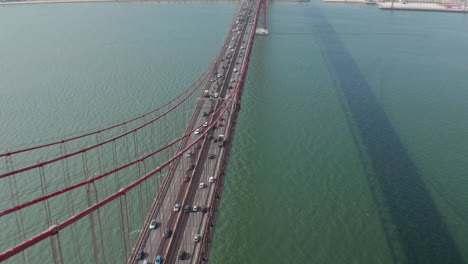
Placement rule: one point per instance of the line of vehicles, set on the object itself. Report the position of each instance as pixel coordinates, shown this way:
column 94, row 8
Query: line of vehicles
column 215, row 90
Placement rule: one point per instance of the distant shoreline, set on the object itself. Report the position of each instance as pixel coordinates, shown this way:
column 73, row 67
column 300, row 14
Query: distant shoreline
column 412, row 5
column 25, row 2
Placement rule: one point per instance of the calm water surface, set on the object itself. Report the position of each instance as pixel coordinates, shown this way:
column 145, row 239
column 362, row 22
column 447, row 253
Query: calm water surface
column 351, row 143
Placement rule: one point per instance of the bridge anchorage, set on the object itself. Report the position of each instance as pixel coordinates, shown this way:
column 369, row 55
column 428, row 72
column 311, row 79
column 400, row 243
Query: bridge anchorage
column 152, row 176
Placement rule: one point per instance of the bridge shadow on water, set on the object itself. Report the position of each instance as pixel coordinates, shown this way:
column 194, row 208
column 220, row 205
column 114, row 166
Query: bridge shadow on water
column 414, row 221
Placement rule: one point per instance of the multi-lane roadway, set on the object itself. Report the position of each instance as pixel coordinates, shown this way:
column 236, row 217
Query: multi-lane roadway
column 175, row 231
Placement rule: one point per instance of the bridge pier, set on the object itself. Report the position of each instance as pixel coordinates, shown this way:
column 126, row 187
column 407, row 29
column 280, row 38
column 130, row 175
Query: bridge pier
column 262, row 30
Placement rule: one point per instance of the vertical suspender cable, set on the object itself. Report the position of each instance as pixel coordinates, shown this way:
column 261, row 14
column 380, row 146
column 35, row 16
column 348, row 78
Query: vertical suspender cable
column 91, row 222
column 14, row 200
column 59, row 248
column 122, row 228
column 114, row 157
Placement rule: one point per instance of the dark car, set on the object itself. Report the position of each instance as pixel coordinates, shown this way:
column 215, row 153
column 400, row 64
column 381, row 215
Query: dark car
column 187, row 208
column 167, row 232
column 205, row 113
column 204, row 209
column 158, row 260
column 182, row 254
column 211, row 156
column 191, row 167
column 140, row 255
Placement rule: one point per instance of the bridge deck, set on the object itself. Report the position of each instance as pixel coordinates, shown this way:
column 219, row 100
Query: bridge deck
column 222, row 89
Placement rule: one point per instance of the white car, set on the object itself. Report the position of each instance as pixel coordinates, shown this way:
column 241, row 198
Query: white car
column 202, row 185
column 197, row 132
column 196, row 238
column 211, row 179
column 195, row 208
column 176, row 207
column 205, row 124
column 153, row 224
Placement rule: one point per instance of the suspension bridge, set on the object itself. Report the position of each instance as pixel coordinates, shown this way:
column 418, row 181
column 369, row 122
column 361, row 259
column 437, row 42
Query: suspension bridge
column 146, row 190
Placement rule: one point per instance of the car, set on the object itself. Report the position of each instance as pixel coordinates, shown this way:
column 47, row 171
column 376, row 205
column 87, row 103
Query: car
column 195, row 208
column 182, row 255
column 167, row 232
column 176, row 207
column 219, row 75
column 196, row 238
column 146, row 262
column 158, row 260
column 203, row 209
column 205, row 124
column 211, row 156
column 197, row 146
column 213, row 80
column 197, row 131
column 235, row 70
column 186, row 178
column 189, row 153
column 191, row 166
column 211, row 110
column 212, row 179
column 216, row 95
column 140, row 255
column 202, row 185
column 204, row 114
column 153, row 224
column 187, row 208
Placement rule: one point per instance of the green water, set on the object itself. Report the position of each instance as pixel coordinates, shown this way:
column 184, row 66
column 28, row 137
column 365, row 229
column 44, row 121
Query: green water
column 351, row 143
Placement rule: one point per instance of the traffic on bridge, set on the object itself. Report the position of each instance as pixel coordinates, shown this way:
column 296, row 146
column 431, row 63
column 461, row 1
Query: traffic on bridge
column 181, row 227
column 152, row 175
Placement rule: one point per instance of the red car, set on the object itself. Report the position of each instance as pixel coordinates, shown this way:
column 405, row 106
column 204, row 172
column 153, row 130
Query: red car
column 186, row 178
